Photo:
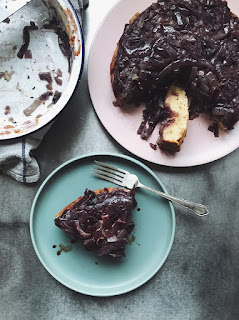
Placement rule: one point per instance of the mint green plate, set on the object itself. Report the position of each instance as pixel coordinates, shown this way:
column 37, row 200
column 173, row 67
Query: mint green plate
column 82, row 270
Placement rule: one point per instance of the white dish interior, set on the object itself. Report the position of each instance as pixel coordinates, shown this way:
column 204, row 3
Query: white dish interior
column 20, row 85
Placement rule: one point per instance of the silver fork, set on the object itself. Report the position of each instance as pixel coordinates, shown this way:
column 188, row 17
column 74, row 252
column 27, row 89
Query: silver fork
column 125, row 179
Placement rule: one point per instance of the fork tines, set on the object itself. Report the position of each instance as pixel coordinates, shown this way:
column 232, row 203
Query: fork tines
column 107, row 167
column 108, row 172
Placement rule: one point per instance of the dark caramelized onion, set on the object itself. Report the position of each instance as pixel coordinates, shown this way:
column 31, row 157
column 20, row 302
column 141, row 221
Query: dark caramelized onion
column 45, row 96
column 102, row 220
column 192, row 42
column 56, row 96
column 26, row 39
column 63, row 40
column 45, row 76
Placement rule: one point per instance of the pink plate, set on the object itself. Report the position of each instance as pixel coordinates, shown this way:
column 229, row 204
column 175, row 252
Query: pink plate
column 199, row 147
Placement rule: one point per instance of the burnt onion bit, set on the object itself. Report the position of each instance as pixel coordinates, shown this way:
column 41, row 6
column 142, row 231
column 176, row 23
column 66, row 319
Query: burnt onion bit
column 102, row 220
column 56, row 96
column 26, row 39
column 45, row 76
column 152, row 115
column 193, row 42
column 63, row 40
column 214, row 128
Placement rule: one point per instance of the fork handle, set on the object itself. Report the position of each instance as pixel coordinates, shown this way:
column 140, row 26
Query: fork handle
column 197, row 208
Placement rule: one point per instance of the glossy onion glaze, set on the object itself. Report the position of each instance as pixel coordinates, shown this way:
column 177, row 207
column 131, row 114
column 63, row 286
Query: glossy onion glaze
column 103, row 220
column 192, row 42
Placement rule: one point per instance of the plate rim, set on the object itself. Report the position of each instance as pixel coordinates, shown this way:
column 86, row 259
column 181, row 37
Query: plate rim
column 120, row 291
column 188, row 164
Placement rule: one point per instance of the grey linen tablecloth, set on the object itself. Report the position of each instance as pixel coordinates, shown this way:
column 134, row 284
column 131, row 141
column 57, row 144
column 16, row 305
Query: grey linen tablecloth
column 16, row 159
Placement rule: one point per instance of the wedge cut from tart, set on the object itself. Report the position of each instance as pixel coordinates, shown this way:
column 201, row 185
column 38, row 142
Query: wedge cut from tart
column 189, row 42
column 174, row 127
column 101, row 218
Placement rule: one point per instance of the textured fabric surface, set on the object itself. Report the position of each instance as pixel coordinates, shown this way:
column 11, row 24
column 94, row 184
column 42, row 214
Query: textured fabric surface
column 16, row 158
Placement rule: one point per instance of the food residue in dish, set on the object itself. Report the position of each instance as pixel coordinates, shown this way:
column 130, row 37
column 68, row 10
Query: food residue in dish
column 59, row 73
column 45, row 76
column 11, row 119
column 7, row 110
column 29, row 110
column 28, row 54
column 43, row 97
column 7, row 20
column 56, row 96
column 64, row 248
column 58, row 81
column 26, row 39
column 6, row 75
column 33, row 47
column 63, row 40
